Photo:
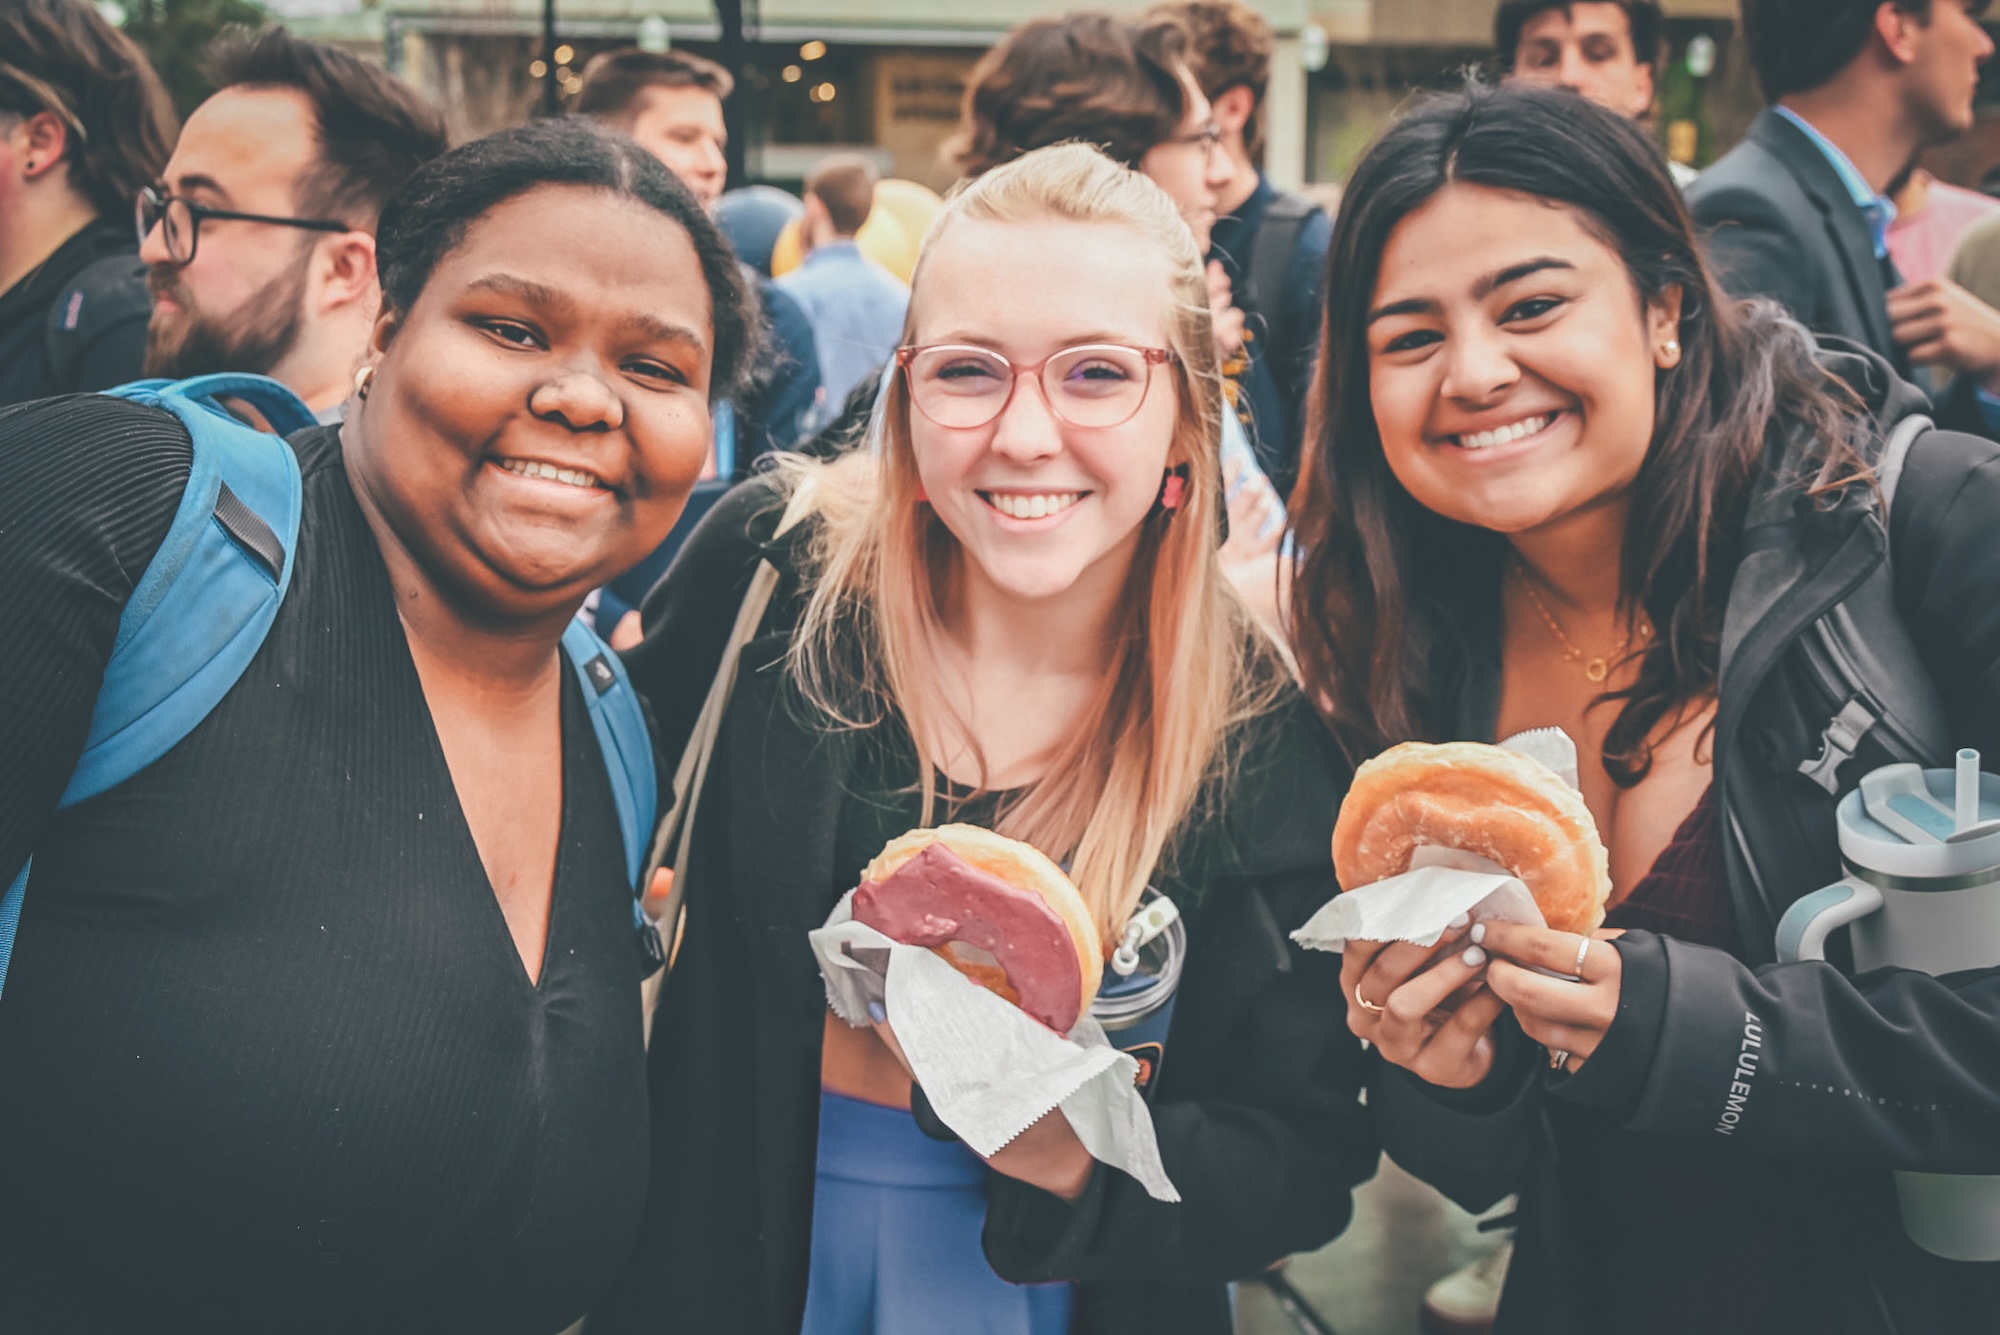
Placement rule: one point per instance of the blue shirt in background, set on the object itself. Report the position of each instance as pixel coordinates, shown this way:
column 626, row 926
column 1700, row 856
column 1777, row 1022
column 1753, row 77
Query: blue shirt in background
column 856, row 308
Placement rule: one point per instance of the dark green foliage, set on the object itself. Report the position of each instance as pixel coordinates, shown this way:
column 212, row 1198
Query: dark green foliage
column 175, row 35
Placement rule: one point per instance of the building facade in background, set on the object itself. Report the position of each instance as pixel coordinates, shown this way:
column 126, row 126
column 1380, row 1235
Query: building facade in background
column 884, row 77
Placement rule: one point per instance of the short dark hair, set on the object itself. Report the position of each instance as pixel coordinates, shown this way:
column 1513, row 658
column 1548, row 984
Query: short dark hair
column 1102, row 79
column 374, row 129
column 429, row 217
column 60, row 56
column 1797, row 45
column 845, row 184
column 1642, row 16
column 1229, row 46
column 614, row 81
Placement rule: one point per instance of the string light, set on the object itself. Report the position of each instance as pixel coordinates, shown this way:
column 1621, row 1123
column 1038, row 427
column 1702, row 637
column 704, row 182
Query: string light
column 812, row 50
column 791, row 74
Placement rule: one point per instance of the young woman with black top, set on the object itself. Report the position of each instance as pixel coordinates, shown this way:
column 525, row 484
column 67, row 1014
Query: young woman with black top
column 329, row 1019
column 1559, row 480
column 1009, row 611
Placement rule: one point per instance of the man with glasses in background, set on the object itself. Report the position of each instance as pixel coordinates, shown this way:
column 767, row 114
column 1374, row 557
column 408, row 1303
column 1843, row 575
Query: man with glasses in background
column 84, row 122
column 1270, row 243
column 260, row 238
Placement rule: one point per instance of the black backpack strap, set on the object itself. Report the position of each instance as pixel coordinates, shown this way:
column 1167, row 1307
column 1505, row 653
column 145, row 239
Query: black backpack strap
column 1278, row 234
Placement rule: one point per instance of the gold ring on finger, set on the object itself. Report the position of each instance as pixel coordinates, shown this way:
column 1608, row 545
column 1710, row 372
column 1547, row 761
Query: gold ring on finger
column 1364, row 1002
column 1582, row 949
column 1559, row 1059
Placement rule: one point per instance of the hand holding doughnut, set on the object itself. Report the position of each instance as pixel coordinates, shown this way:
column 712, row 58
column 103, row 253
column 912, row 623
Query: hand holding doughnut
column 1424, row 1008
column 1562, row 1016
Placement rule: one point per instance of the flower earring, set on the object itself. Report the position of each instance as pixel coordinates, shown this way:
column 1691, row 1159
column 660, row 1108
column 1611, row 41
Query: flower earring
column 1173, row 489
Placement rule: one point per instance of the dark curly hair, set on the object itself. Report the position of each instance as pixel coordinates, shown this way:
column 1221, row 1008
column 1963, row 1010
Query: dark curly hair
column 430, row 216
column 1384, row 590
column 1092, row 77
column 60, row 56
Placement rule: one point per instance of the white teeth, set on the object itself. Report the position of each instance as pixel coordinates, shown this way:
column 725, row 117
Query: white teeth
column 1037, row 506
column 1480, row 440
column 574, row 477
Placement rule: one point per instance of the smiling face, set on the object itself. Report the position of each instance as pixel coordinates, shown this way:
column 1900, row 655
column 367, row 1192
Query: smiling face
column 536, row 420
column 1512, row 363
column 1040, row 507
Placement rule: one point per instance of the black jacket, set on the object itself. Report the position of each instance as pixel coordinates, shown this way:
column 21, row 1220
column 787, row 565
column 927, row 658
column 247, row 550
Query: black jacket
column 1257, row 1107
column 1893, row 1069
column 78, row 322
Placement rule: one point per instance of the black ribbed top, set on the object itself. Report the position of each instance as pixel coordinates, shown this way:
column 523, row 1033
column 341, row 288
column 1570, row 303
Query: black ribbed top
column 269, row 1060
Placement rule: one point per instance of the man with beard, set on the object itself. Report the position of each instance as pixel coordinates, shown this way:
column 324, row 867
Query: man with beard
column 84, row 123
column 260, row 240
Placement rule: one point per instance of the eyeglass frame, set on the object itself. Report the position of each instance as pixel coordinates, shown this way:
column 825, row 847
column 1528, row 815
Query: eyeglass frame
column 1150, row 356
column 197, row 212
column 1208, row 137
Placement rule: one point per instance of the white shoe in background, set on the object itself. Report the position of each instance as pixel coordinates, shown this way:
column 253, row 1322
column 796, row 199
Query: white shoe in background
column 1463, row 1302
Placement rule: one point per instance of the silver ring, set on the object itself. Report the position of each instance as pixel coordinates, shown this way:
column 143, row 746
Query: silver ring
column 1559, row 1059
column 1364, row 1002
column 1582, row 949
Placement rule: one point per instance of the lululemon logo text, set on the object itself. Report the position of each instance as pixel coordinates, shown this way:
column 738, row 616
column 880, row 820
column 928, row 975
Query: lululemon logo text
column 1746, row 1067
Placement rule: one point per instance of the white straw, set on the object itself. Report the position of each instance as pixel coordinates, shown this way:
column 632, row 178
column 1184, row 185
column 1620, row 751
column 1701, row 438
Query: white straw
column 1967, row 794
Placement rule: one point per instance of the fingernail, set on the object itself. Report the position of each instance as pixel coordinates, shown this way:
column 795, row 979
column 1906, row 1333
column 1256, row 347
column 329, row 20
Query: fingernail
column 1456, row 923
column 876, row 1013
column 1479, row 933
column 1473, row 957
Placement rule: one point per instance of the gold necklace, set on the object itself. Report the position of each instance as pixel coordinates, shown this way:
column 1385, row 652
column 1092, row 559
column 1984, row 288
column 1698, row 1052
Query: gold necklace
column 1594, row 669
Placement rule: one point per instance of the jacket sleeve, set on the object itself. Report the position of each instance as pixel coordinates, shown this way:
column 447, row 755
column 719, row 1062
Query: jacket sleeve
column 689, row 614
column 1754, row 250
column 1894, row 1069
column 1264, row 1139
column 1473, row 1145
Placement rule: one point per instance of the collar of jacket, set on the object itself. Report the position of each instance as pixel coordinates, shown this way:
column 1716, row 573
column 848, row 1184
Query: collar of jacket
column 1845, row 224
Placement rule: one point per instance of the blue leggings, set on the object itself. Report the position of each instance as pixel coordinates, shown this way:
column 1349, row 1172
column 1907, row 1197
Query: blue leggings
column 895, row 1242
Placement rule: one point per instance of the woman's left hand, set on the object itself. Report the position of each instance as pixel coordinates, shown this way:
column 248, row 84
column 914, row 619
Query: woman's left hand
column 1047, row 1155
column 1563, row 1016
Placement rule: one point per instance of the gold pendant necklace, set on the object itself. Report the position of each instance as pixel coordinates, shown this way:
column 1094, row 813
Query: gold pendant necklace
column 1595, row 670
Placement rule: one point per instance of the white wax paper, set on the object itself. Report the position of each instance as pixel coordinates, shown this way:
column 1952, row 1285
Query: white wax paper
column 988, row 1070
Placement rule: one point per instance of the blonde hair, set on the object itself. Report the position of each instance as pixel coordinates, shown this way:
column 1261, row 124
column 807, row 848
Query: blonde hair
column 1189, row 661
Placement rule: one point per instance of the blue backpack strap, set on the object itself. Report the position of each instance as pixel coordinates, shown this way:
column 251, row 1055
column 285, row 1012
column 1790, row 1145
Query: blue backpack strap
column 202, row 609
column 623, row 738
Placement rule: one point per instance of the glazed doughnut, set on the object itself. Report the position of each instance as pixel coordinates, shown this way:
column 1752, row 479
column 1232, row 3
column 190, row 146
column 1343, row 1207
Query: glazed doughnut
column 1480, row 799
column 960, row 889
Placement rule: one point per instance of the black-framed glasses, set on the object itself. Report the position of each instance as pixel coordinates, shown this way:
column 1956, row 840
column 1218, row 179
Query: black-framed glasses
column 1096, row 385
column 1208, row 138
column 179, row 221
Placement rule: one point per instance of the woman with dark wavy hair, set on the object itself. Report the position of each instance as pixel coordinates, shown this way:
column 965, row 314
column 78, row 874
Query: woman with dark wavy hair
column 1557, row 480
